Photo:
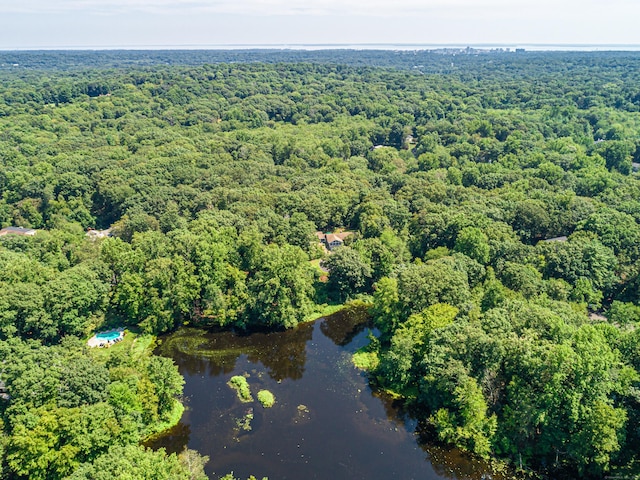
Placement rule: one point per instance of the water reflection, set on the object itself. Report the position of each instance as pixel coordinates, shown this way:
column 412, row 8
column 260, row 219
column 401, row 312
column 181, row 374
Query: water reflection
column 326, row 423
column 343, row 326
column 283, row 354
column 173, row 440
column 453, row 464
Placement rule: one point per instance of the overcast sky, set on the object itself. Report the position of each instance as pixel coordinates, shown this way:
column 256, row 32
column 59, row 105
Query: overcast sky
column 145, row 23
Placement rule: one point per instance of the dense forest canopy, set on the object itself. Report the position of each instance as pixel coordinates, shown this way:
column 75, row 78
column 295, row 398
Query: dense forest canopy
column 494, row 201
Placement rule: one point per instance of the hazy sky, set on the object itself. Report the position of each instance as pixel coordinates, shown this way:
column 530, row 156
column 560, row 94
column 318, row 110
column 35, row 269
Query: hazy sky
column 118, row 23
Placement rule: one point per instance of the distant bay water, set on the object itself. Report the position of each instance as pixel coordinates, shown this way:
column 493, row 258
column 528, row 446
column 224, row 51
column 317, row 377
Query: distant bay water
column 538, row 47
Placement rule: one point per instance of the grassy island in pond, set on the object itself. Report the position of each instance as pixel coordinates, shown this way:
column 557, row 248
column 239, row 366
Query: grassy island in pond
column 266, row 398
column 241, row 386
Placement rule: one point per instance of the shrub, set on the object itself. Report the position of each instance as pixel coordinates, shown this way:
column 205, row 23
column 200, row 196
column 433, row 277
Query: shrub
column 266, row 398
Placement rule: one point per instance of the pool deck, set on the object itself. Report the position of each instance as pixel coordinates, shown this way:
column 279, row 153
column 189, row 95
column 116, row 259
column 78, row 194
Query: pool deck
column 101, row 342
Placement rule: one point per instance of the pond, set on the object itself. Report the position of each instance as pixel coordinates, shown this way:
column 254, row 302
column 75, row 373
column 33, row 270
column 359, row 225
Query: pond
column 327, row 423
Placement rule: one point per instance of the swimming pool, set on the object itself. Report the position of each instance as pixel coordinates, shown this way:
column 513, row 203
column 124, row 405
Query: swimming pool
column 108, row 335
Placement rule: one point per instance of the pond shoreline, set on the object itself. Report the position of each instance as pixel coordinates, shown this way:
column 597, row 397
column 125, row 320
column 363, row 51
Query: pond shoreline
column 327, row 421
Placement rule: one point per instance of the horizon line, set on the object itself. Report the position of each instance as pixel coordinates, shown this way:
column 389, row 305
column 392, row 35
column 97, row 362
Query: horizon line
column 327, row 46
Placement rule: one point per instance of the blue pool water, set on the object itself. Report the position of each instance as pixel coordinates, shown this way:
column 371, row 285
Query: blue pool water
column 108, row 335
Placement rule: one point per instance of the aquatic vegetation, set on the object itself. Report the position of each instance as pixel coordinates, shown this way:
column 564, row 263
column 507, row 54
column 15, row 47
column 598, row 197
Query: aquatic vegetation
column 301, row 416
column 244, row 423
column 266, row 398
column 194, row 341
column 241, row 386
column 230, row 476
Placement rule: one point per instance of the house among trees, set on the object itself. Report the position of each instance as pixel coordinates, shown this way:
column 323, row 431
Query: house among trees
column 409, row 141
column 333, row 240
column 556, row 239
column 95, row 234
column 29, row 232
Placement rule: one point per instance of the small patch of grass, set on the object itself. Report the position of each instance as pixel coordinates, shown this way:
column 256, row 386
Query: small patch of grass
column 365, row 360
column 390, row 393
column 266, row 398
column 322, row 311
column 241, row 386
column 316, row 264
column 171, row 421
column 142, row 345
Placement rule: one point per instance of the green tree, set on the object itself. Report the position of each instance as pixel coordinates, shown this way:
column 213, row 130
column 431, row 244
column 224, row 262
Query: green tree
column 436, row 281
column 145, row 464
column 464, row 421
column 167, row 381
column 281, row 288
column 348, row 272
column 386, row 305
column 474, row 243
column 617, row 155
column 82, row 382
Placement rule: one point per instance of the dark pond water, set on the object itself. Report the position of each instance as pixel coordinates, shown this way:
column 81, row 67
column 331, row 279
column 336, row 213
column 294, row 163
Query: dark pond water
column 326, row 424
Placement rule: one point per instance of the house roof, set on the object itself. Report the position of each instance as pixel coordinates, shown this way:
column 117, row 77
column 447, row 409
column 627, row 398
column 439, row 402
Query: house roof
column 98, row 233
column 17, row 231
column 556, row 239
column 343, row 235
column 332, row 237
